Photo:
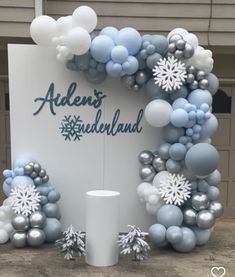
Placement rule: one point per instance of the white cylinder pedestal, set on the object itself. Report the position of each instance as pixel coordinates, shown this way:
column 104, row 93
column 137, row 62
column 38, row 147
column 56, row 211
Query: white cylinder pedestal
column 102, row 227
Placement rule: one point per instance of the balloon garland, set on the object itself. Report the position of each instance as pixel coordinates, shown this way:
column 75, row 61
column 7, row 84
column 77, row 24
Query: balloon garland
column 180, row 179
column 30, row 212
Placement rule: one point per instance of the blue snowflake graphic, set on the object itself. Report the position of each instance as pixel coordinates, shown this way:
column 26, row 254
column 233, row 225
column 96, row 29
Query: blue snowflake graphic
column 70, row 127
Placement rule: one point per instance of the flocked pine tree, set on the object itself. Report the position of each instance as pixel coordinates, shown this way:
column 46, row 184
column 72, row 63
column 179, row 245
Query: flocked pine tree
column 134, row 243
column 72, row 244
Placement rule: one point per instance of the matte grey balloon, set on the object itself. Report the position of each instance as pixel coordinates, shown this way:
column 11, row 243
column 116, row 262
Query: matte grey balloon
column 37, row 219
column 20, row 222
column 19, row 239
column 52, row 229
column 199, row 201
column 189, row 216
column 158, row 164
column 216, row 208
column 145, row 157
column 205, row 219
column 53, row 196
column 37, row 167
column 37, row 181
column 202, row 235
column 147, row 173
column 171, row 134
column 28, row 169
column 188, row 241
column 35, row 237
column 50, row 210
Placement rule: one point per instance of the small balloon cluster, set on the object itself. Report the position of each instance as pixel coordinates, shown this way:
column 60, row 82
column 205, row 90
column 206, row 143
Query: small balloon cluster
column 33, row 214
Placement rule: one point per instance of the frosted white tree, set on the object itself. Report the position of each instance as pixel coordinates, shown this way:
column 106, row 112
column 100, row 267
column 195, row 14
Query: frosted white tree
column 175, row 189
column 134, row 243
column 72, row 244
column 170, row 73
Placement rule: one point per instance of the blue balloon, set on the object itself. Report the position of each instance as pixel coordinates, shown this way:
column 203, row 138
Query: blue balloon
column 19, row 171
column 203, row 186
column 142, row 62
column 53, row 196
column 130, row 66
column 170, row 215
column 213, row 83
column 202, row 159
column 214, row 178
column 113, row 69
column 6, row 188
column 43, row 200
column 51, row 210
column 173, row 166
column 94, row 76
column 161, row 44
column 101, row 48
column 209, row 127
column 52, row 229
column 171, row 134
column 119, row 54
column 18, row 180
column 129, row 38
column 82, row 62
column 177, row 151
column 157, row 233
column 174, row 234
column 188, row 241
column 155, row 92
column 22, row 161
column 182, row 92
column 213, row 193
column 179, row 103
column 152, row 60
column 109, row 32
column 202, row 235
column 44, row 189
column 179, row 118
column 199, row 97
column 7, row 173
column 164, row 150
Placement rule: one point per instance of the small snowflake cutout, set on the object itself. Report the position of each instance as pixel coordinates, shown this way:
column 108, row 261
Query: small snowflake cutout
column 170, row 73
column 175, row 189
column 24, row 199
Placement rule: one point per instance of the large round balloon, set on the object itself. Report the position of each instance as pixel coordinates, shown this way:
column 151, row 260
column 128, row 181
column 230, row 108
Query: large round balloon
column 101, row 48
column 85, row 17
column 158, row 112
column 78, row 40
column 202, row 159
column 170, row 215
column 188, row 241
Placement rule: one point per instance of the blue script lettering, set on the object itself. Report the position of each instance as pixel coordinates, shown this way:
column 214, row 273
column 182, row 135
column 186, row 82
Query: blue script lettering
column 56, row 100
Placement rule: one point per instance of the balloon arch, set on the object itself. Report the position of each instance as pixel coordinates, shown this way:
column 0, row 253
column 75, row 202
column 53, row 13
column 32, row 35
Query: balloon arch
column 180, row 180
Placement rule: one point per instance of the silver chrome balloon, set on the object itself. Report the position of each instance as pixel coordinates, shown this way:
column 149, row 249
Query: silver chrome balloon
column 20, row 222
column 194, row 85
column 191, row 69
column 35, row 237
column 190, row 78
column 158, row 164
column 37, row 219
column 145, row 157
column 45, row 179
column 203, row 84
column 171, row 47
column 28, row 169
column 178, row 54
column 199, row 201
column 136, row 87
column 205, row 219
column 141, row 78
column 200, row 75
column 147, row 173
column 34, row 174
column 189, row 216
column 37, row 181
column 37, row 167
column 188, row 51
column 175, row 37
column 216, row 208
column 180, row 44
column 42, row 173
column 19, row 239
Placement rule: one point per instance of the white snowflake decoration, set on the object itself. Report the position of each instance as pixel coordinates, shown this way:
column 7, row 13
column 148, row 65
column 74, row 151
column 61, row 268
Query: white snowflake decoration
column 170, row 73
column 24, row 199
column 175, row 189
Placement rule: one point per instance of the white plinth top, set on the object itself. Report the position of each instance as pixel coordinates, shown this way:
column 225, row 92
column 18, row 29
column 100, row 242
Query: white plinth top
column 103, row 193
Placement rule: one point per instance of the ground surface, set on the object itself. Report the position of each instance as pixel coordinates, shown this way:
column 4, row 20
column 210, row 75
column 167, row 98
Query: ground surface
column 45, row 262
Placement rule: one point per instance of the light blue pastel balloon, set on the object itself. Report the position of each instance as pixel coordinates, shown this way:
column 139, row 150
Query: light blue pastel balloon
column 209, row 127
column 164, row 150
column 182, row 92
column 6, row 188
column 173, row 166
column 199, row 97
column 202, row 235
column 152, row 60
column 214, row 178
column 171, row 134
column 109, row 32
column 174, row 234
column 147, row 37
column 101, row 48
column 170, row 215
column 157, row 233
column 179, row 103
column 213, row 193
column 53, row 196
column 177, row 151
column 131, row 65
column 129, row 38
column 213, row 83
column 202, row 159
column 7, row 173
column 179, row 118
column 22, row 161
column 43, row 200
column 52, row 229
column 19, row 171
column 188, row 241
column 51, row 210
column 161, row 44
column 153, row 91
column 44, row 189
column 18, row 180
column 113, row 70
column 119, row 54
column 9, row 180
column 203, row 186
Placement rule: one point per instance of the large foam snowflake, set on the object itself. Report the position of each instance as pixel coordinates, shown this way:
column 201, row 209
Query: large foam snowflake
column 70, row 127
column 170, row 73
column 24, row 199
column 175, row 189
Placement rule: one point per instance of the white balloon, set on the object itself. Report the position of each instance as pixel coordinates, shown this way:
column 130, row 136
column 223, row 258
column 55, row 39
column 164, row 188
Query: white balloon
column 64, row 51
column 180, row 31
column 64, row 24
column 158, row 112
column 4, row 236
column 159, row 178
column 8, row 228
column 141, row 189
column 191, row 39
column 78, row 41
column 154, row 199
column 152, row 209
column 85, row 17
column 42, row 29
column 60, row 58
